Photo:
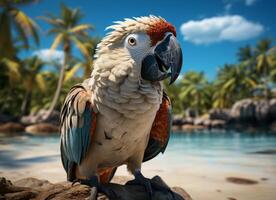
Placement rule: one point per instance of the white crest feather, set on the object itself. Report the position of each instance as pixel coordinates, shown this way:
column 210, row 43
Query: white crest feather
column 120, row 29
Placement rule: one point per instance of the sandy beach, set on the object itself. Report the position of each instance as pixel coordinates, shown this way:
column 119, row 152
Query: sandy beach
column 201, row 178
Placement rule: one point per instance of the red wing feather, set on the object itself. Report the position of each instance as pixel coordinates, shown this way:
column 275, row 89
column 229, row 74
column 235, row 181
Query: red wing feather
column 160, row 131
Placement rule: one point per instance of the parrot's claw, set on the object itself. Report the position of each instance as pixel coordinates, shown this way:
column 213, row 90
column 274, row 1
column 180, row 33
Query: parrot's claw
column 96, row 188
column 141, row 180
column 153, row 185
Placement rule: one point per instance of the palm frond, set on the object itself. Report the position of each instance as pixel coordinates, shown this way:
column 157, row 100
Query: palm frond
column 70, row 74
column 41, row 83
column 81, row 28
column 12, row 68
column 58, row 39
column 80, row 45
column 28, row 26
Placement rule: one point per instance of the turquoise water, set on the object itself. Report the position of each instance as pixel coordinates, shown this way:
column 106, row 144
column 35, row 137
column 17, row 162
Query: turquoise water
column 216, row 147
column 225, row 150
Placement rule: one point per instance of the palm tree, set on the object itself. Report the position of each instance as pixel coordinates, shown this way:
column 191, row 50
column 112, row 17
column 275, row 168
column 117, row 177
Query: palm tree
column 12, row 21
column 68, row 30
column 194, row 91
column 173, row 91
column 272, row 61
column 33, row 78
column 234, row 82
column 245, row 53
column 90, row 43
column 263, row 66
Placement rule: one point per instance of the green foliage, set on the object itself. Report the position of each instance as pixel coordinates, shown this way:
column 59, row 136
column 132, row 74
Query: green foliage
column 26, row 86
column 195, row 92
column 234, row 82
column 12, row 21
column 173, row 91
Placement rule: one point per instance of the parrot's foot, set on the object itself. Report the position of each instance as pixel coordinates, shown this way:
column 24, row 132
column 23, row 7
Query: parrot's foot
column 96, row 188
column 153, row 185
column 141, row 180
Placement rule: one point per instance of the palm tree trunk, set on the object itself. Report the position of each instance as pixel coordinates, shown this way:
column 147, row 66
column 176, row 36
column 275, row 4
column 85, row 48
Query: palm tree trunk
column 266, row 84
column 60, row 81
column 197, row 105
column 25, row 107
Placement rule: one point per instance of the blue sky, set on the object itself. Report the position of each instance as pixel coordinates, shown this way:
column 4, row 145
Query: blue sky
column 210, row 32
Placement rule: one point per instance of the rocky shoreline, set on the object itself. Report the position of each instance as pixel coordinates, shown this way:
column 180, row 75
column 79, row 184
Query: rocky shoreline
column 247, row 114
column 31, row 188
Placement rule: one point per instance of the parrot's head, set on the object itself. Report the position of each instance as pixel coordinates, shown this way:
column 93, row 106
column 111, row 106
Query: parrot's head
column 149, row 43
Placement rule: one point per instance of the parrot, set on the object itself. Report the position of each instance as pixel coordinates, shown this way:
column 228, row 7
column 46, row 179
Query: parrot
column 121, row 114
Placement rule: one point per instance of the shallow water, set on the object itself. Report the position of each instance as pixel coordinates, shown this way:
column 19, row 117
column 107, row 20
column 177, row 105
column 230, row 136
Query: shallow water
column 196, row 161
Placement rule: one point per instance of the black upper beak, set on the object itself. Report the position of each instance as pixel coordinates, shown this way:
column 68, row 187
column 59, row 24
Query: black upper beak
column 166, row 61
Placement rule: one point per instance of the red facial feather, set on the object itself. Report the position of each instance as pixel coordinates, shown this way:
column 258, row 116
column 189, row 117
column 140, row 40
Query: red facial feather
column 158, row 31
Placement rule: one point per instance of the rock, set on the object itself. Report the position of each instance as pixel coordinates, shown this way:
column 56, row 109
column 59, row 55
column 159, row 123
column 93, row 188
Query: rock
column 231, row 198
column 63, row 191
column 201, row 120
column 243, row 110
column 266, row 152
column 272, row 110
column 190, row 113
column 32, row 183
column 7, row 118
column 40, row 117
column 198, row 121
column 182, row 193
column 11, row 127
column 6, row 187
column 207, row 123
column 24, row 195
column 188, row 120
column 41, row 189
column 251, row 111
column 262, row 110
column 218, row 123
column 189, row 127
column 42, row 128
column 178, row 120
column 220, row 114
column 243, row 181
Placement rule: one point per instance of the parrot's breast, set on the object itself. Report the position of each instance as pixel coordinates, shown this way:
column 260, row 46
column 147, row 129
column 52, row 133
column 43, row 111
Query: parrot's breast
column 123, row 125
column 116, row 142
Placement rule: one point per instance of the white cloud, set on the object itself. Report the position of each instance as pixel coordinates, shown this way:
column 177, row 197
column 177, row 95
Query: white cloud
column 49, row 55
column 249, row 2
column 222, row 28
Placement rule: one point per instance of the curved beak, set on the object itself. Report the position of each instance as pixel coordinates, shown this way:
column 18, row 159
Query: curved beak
column 166, row 61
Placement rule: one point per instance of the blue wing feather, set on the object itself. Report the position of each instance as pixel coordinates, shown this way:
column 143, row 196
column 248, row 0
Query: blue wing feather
column 75, row 127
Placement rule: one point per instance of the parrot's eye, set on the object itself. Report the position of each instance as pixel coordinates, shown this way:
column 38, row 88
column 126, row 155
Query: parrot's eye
column 132, row 41
column 136, row 41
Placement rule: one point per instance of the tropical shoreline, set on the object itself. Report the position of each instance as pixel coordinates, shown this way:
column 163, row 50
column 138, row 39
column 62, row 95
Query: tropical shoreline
column 248, row 114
